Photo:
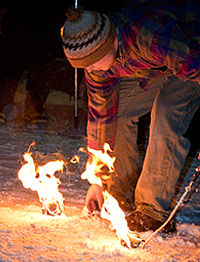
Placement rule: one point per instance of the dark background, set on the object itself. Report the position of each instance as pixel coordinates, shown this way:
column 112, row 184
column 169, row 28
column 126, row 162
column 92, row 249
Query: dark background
column 30, row 40
column 31, row 28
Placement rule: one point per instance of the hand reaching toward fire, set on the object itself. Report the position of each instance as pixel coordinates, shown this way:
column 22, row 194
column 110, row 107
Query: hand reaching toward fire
column 94, row 198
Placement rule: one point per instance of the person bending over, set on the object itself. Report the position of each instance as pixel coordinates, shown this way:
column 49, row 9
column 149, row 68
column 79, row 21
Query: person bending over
column 143, row 57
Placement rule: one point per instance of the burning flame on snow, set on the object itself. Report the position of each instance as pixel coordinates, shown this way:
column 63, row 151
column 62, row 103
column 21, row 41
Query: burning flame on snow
column 42, row 180
column 100, row 159
column 111, row 210
column 113, row 213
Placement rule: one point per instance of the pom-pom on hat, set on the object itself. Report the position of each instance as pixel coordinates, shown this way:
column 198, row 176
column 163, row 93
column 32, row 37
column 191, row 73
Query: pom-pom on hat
column 87, row 37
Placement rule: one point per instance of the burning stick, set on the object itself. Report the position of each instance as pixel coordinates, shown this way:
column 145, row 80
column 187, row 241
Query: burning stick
column 180, row 202
column 43, row 181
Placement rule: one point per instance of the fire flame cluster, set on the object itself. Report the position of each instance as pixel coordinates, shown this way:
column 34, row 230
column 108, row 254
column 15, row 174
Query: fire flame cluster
column 111, row 210
column 43, row 181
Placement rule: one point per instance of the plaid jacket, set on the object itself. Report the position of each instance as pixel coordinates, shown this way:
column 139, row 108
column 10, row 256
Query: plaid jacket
column 154, row 37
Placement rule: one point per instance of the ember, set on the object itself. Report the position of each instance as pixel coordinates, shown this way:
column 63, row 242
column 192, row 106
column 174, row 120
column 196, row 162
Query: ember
column 42, row 180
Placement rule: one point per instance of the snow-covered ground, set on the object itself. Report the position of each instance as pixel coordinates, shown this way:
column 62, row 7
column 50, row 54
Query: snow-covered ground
column 27, row 235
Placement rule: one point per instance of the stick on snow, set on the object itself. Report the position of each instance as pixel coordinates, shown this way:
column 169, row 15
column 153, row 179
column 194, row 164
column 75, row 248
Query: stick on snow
column 179, row 203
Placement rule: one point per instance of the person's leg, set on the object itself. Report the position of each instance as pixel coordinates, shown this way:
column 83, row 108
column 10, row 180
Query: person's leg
column 8, row 88
column 171, row 114
column 36, row 95
column 133, row 103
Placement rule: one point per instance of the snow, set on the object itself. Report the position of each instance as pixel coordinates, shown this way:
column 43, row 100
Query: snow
column 28, row 235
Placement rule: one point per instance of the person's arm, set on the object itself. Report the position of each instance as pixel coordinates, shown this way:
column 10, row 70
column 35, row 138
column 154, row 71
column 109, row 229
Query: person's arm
column 103, row 101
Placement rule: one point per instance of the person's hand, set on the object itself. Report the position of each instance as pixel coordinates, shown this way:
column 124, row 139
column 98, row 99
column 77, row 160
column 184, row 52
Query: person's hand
column 94, row 198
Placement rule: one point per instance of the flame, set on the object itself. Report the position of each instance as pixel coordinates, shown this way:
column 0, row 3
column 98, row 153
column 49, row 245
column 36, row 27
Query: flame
column 42, row 180
column 111, row 210
column 99, row 160
column 113, row 213
column 75, row 159
column 81, row 149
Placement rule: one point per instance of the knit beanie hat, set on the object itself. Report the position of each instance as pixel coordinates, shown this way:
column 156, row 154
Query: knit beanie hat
column 87, row 37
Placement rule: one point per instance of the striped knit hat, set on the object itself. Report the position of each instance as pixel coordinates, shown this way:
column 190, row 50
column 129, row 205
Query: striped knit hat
column 87, row 37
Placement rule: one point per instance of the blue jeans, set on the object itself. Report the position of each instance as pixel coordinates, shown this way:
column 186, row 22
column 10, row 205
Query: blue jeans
column 173, row 103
